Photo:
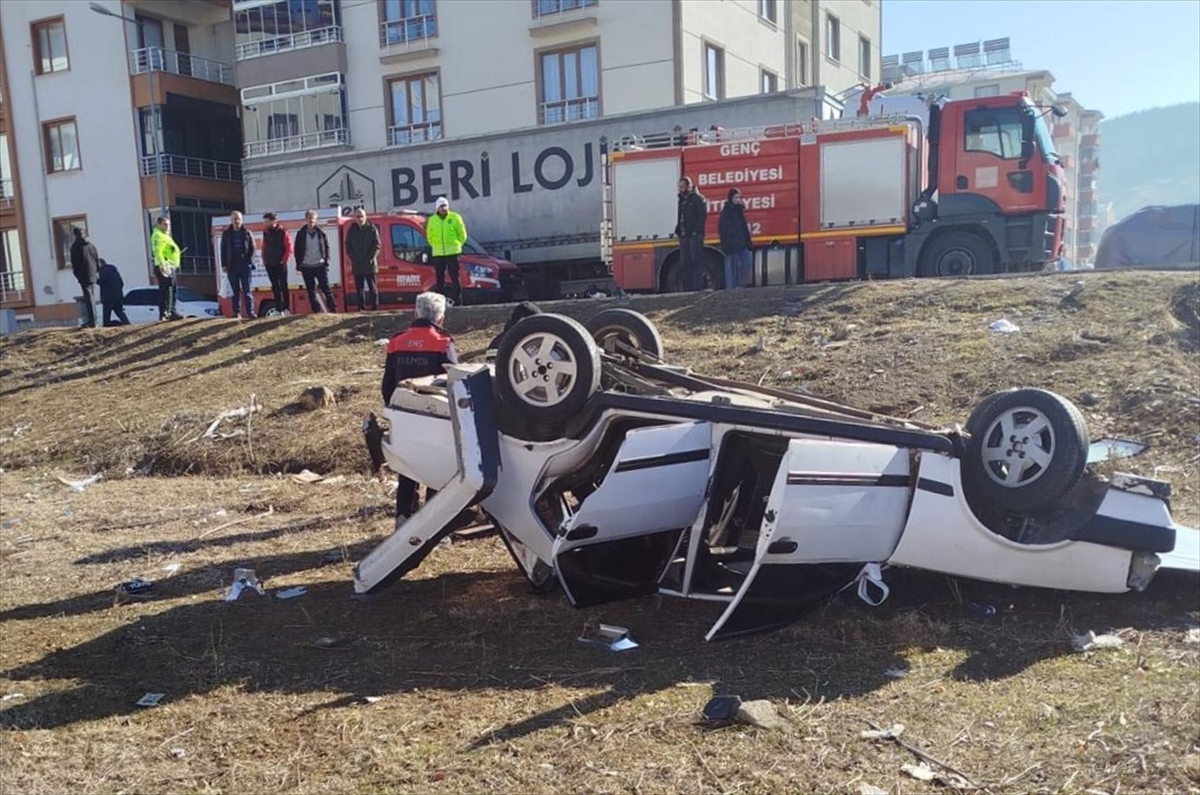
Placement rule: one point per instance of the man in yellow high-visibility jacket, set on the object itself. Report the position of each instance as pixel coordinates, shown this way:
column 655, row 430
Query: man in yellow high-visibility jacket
column 446, row 233
column 167, row 256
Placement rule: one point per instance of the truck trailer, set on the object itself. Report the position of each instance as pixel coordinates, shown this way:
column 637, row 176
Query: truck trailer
column 939, row 189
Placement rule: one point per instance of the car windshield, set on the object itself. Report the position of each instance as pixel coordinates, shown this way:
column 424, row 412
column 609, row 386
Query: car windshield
column 471, row 247
column 188, row 294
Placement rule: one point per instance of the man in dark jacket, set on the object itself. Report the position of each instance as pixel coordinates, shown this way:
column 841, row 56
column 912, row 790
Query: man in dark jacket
column 237, row 260
column 276, row 251
column 421, row 350
column 85, row 262
column 735, row 241
column 362, row 246
column 112, row 294
column 312, row 260
column 693, row 212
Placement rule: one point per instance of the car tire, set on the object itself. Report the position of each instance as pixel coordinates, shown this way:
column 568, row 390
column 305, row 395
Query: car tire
column 957, row 254
column 548, row 369
column 1042, row 458
column 268, row 309
column 628, row 327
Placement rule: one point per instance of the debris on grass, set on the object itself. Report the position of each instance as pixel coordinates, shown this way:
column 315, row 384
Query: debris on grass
column 722, row 708
column 761, row 714
column 307, row 476
column 171, row 569
column 291, row 593
column 1192, row 636
column 244, row 579
column 135, row 586
column 78, row 486
column 1004, row 326
column 1090, row 641
column 244, row 411
column 150, row 699
column 316, row 397
column 921, row 772
column 883, row 734
column 899, row 672
column 870, row 789
column 11, row 696
column 609, row 636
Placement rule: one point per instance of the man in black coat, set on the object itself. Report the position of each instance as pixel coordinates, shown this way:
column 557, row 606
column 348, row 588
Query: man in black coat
column 85, row 262
column 693, row 212
column 112, row 294
column 237, row 260
column 735, row 241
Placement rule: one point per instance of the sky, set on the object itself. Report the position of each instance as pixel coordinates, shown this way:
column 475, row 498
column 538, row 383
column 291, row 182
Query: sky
column 1115, row 56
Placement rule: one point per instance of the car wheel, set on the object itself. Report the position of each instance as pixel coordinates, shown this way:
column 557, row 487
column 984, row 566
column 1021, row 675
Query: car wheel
column 549, row 370
column 268, row 309
column 632, row 329
column 957, row 254
column 1027, row 448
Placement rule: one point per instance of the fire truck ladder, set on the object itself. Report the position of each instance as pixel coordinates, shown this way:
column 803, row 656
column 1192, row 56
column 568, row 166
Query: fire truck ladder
column 717, row 135
column 606, row 212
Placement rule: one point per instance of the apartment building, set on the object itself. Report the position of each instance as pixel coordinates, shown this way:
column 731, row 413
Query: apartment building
column 986, row 69
column 114, row 112
column 837, row 44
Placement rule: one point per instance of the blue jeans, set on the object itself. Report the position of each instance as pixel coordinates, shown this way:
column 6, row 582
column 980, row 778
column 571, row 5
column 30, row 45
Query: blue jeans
column 239, row 281
column 738, row 267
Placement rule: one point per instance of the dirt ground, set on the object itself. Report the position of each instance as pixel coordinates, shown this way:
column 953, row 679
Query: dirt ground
column 458, row 679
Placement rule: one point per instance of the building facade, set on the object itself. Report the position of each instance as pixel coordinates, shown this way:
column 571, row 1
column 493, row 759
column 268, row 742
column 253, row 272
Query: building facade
column 986, row 69
column 110, row 118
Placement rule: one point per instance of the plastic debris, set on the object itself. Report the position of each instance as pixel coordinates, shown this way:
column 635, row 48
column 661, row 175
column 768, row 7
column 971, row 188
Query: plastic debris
column 78, row 486
column 921, row 772
column 150, row 699
column 898, row 672
column 1192, row 636
column 171, row 568
column 379, row 343
column 870, row 789
column 178, row 753
column 883, row 734
column 244, row 579
column 981, row 609
column 1090, row 641
column 12, row 696
column 305, row 476
column 1004, row 326
column 722, row 708
column 291, row 593
column 135, row 586
column 610, row 636
column 372, row 699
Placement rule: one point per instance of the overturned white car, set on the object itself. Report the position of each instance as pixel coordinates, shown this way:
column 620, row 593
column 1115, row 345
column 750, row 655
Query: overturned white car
column 616, row 475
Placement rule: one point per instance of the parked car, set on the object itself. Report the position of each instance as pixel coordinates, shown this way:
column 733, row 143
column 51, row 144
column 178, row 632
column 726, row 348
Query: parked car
column 141, row 304
column 614, row 475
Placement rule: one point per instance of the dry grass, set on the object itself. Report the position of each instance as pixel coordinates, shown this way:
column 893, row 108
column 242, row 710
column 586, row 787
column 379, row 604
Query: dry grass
column 481, row 686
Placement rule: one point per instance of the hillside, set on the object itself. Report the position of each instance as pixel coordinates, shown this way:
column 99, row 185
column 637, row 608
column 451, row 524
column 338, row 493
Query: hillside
column 1151, row 157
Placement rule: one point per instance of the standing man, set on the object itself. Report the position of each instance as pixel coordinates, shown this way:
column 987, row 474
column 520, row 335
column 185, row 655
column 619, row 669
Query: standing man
column 312, row 260
column 735, row 241
column 237, row 260
column 447, row 233
column 421, row 350
column 362, row 246
column 167, row 256
column 693, row 212
column 112, row 294
column 85, row 262
column 276, row 251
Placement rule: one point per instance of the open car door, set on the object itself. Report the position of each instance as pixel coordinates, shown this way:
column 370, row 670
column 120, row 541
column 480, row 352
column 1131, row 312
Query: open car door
column 834, row 507
column 619, row 541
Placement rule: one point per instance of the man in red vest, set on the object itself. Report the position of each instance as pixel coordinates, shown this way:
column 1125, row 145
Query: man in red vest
column 423, row 349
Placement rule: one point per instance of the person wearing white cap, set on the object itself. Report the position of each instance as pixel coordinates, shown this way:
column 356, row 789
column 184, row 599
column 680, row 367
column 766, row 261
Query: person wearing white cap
column 446, row 233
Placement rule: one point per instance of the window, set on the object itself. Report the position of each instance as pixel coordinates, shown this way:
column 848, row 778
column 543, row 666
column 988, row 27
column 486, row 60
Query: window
column 992, row 90
column 996, row 131
column 833, row 37
column 294, row 115
column 6, row 183
column 265, row 28
column 62, row 146
column 864, row 57
column 769, row 82
column 714, row 72
column 63, row 236
column 767, row 10
column 802, row 62
column 192, row 230
column 407, row 20
column 50, row 46
column 407, row 243
column 12, row 267
column 570, row 85
column 542, row 8
column 416, row 110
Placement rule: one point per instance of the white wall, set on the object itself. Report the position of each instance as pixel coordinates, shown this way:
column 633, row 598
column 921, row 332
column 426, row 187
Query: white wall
column 107, row 188
column 857, row 18
column 749, row 41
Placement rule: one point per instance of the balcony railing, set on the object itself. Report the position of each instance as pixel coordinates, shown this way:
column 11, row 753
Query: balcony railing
column 549, row 8
column 408, row 30
column 569, row 110
column 12, row 286
column 180, row 166
column 156, row 59
column 6, row 193
column 414, row 133
column 292, row 41
column 296, row 143
column 196, row 265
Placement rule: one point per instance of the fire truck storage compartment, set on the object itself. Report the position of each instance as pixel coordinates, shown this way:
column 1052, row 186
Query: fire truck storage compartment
column 634, row 270
column 767, row 173
column 864, row 182
column 883, row 256
column 777, row 265
column 830, row 258
column 643, row 203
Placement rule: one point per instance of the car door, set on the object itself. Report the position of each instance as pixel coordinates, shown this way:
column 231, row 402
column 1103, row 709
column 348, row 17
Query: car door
column 620, row 539
column 407, row 273
column 834, row 507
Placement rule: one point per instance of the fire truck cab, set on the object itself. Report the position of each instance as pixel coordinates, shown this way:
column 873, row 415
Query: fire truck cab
column 968, row 187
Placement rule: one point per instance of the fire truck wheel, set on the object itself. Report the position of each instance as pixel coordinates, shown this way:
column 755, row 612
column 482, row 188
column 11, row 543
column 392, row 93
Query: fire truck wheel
column 614, row 327
column 1027, row 448
column 957, row 254
column 550, row 370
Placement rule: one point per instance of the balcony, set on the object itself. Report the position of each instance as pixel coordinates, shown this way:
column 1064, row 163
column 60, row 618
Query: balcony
column 6, row 194
column 568, row 110
column 157, row 59
column 296, row 143
column 292, row 41
column 12, row 287
column 414, row 133
column 1090, row 141
column 407, row 31
column 195, row 167
column 556, row 8
column 1061, row 131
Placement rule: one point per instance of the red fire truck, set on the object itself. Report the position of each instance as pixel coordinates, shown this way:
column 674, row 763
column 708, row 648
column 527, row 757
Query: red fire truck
column 956, row 188
column 404, row 269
